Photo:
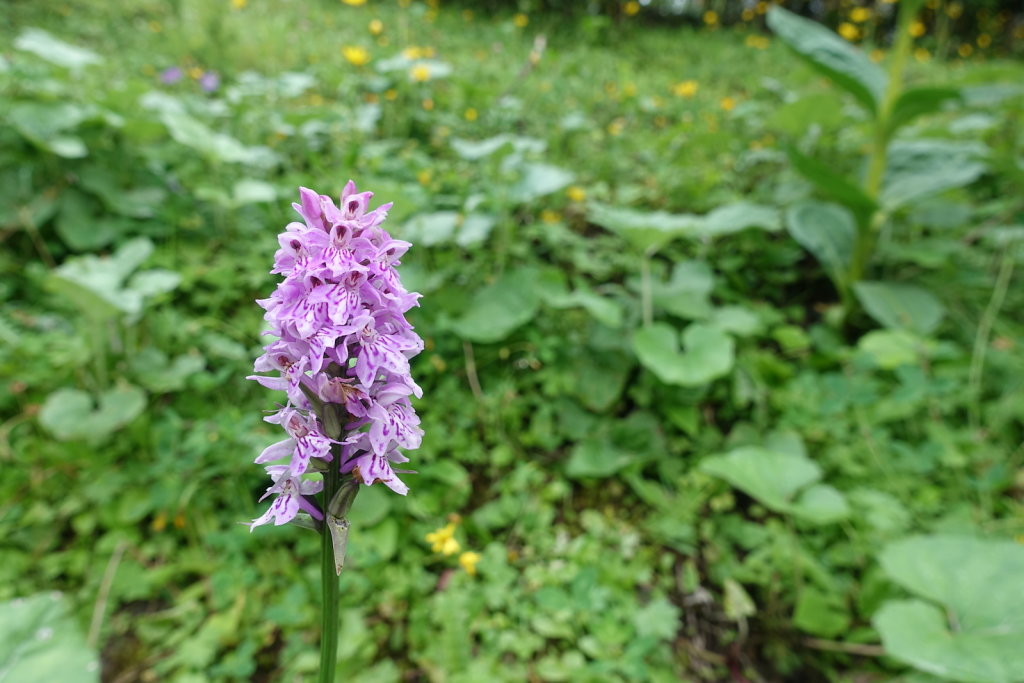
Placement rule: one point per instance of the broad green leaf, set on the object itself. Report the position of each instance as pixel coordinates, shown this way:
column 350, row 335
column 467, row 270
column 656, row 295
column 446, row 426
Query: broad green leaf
column 253, row 191
column 650, row 230
column 827, row 231
column 498, row 309
column 45, row 124
column 889, row 349
column 539, row 180
column 823, row 614
column 647, row 230
column 980, row 580
column 821, row 504
column 603, row 309
column 848, row 67
column 687, row 293
column 40, row 641
column 918, row 168
column 54, row 50
column 736, row 320
column 158, row 374
column 901, row 306
column 71, row 414
column 190, row 132
column 708, row 353
column 600, row 378
column 918, row 633
column 595, row 457
column 153, row 282
column 80, row 226
column 836, row 186
column 732, row 218
column 431, row 229
column 474, row 229
column 772, row 478
column 918, row 102
column 472, row 150
column 635, row 439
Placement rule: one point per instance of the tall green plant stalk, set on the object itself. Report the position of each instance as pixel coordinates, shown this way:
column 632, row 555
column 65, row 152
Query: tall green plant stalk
column 329, row 580
column 877, row 158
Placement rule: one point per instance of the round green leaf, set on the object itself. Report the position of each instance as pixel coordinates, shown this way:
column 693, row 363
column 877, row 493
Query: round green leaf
column 709, row 353
column 39, row 641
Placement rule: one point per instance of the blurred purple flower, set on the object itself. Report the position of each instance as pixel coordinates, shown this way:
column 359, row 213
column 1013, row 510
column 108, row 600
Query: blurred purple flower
column 209, row 81
column 171, row 74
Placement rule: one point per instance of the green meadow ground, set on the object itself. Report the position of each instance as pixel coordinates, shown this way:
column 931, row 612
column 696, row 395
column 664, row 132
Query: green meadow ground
column 593, row 541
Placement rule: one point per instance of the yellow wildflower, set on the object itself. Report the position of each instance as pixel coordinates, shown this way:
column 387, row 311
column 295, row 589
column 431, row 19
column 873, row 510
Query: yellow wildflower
column 922, row 55
column 424, row 177
column 390, row 94
column 412, row 52
column 195, row 73
column 917, row 29
column 575, row 193
column 984, row 40
column 849, row 31
column 711, row 17
column 965, row 50
column 761, row 7
column 420, row 73
column 747, row 14
column 521, row 20
column 616, row 127
column 756, row 41
column 876, row 55
column 354, row 3
column 355, row 55
column 860, row 14
column 469, row 560
column 631, row 8
column 376, row 27
column 443, row 540
column 629, row 89
column 428, row 104
column 685, row 88
column 471, row 114
column 954, row 10
column 239, row 4
column 727, row 103
column 155, row 27
column 550, row 217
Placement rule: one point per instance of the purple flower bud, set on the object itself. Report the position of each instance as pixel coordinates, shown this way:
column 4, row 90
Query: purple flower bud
column 171, row 75
column 342, row 350
column 209, row 81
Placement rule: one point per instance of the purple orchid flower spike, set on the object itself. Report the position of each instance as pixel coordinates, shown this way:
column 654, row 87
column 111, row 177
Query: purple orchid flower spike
column 341, row 353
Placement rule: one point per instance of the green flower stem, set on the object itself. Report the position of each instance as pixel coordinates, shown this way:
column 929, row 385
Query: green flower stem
column 877, row 159
column 329, row 579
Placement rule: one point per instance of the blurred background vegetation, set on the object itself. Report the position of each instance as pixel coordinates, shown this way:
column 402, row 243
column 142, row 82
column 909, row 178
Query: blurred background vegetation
column 724, row 377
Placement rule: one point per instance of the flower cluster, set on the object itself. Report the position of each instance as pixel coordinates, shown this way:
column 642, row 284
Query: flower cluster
column 342, row 352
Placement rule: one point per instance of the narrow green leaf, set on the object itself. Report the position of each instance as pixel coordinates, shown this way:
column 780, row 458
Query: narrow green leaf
column 834, row 185
column 848, row 67
column 918, row 102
